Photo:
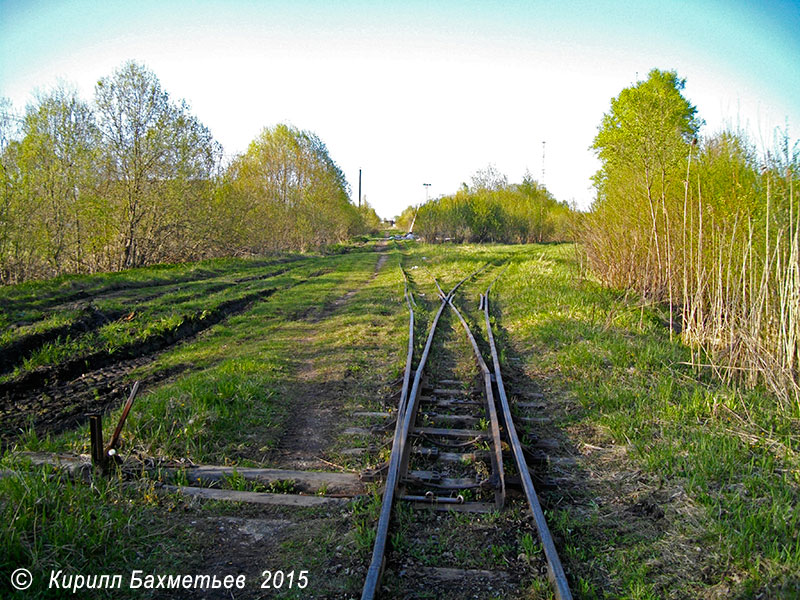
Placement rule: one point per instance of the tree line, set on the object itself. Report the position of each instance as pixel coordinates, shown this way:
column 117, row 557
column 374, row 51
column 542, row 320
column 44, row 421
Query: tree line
column 133, row 178
column 491, row 210
column 706, row 224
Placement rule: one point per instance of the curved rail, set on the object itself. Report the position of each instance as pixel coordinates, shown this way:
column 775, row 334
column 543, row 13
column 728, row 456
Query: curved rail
column 497, row 455
column 406, row 415
column 554, row 569
column 399, row 457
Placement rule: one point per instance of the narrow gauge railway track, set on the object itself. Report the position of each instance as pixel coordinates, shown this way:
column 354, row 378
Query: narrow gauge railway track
column 450, row 437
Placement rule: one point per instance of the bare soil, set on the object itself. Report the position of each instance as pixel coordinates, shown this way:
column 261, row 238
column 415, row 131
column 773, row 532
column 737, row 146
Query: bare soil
column 256, row 538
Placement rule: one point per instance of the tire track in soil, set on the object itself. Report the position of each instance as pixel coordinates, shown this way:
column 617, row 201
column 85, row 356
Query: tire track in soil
column 73, row 299
column 14, row 353
column 59, row 398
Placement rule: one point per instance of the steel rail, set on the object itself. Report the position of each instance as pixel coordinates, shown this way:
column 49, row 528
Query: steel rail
column 497, row 456
column 410, row 356
column 413, row 396
column 399, row 456
column 554, row 569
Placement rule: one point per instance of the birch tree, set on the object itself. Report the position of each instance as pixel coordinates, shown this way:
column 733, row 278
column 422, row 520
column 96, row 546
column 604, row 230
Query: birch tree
column 152, row 145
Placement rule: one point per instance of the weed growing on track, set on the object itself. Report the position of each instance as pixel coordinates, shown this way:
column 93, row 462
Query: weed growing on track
column 682, row 487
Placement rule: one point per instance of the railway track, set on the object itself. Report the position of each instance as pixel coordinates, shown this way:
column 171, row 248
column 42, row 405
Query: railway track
column 448, row 444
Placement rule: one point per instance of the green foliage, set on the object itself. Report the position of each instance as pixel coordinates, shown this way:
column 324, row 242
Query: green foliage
column 493, row 211
column 286, row 192
column 706, row 226
column 135, row 179
column 403, row 220
column 52, row 522
column 369, row 218
column 49, row 179
column 642, row 142
column 156, row 156
column 528, row 545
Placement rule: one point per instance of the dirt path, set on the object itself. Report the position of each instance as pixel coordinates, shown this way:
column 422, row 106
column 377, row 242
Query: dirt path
column 342, row 300
column 318, row 398
column 255, row 538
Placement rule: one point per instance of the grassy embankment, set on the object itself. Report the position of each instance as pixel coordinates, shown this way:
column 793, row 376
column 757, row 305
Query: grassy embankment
column 681, row 487
column 229, row 405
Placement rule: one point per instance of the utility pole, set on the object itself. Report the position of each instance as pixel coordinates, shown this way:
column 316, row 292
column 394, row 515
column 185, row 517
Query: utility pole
column 543, row 143
column 359, row 188
column 427, row 186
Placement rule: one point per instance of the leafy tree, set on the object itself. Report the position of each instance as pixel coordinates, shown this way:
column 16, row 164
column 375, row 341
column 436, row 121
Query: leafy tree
column 489, row 179
column 643, row 143
column 290, row 193
column 57, row 157
column 152, row 146
column 707, row 225
column 404, row 219
column 494, row 211
column 10, row 217
column 135, row 178
column 370, row 219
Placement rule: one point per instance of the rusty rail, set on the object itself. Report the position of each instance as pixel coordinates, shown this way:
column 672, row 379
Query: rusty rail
column 554, row 569
column 401, row 449
column 406, row 413
column 497, row 455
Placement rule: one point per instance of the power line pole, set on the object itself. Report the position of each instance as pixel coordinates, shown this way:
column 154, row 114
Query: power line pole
column 543, row 143
column 359, row 188
column 427, row 186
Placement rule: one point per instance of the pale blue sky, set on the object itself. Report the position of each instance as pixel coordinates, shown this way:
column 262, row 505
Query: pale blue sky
column 420, row 92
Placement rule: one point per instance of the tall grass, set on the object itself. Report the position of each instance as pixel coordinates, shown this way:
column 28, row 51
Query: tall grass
column 720, row 248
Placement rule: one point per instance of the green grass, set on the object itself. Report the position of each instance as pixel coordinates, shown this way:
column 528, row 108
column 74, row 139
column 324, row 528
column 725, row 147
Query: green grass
column 683, row 487
column 695, row 487
column 48, row 523
column 231, row 403
column 149, row 313
column 722, row 461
